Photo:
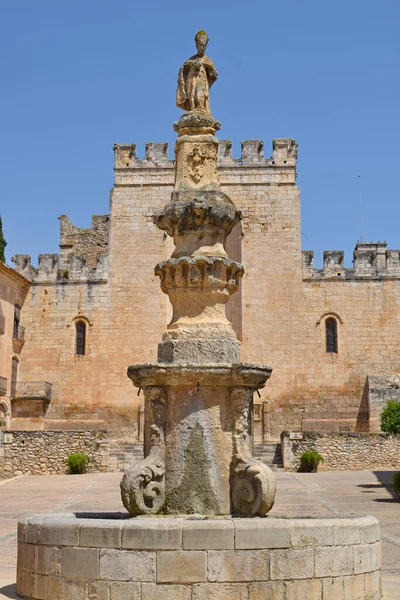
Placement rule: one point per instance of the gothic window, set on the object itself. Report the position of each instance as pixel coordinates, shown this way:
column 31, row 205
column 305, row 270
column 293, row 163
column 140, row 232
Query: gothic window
column 80, row 337
column 331, row 335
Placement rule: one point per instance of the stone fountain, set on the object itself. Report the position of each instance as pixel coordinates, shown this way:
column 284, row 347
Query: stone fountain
column 199, row 499
column 198, row 397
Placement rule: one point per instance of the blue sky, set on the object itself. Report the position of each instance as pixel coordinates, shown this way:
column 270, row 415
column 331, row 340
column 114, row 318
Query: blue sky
column 78, row 76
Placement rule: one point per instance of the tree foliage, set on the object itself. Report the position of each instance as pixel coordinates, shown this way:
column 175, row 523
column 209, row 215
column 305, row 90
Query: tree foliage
column 3, row 242
column 390, row 417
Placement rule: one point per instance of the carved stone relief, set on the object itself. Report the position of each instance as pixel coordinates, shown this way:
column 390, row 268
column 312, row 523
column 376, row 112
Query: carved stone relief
column 143, row 484
column 252, row 482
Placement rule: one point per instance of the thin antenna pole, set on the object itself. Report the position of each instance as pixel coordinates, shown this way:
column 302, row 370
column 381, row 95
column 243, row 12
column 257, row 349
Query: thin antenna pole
column 360, row 203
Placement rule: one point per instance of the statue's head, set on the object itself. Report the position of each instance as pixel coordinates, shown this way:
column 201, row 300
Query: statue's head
column 201, row 40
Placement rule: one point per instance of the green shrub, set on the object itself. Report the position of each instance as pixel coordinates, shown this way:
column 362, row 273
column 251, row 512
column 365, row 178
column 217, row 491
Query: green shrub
column 396, row 484
column 77, row 462
column 390, row 417
column 309, row 461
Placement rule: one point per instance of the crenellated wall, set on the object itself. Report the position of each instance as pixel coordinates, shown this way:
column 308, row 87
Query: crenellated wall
column 370, row 261
column 104, row 275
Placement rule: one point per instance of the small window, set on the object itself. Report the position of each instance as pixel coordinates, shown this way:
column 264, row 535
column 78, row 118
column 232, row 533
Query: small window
column 17, row 318
column 80, row 337
column 14, row 376
column 331, row 335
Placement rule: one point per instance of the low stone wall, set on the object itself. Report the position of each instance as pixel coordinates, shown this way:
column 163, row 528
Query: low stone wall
column 344, row 451
column 44, row 452
column 62, row 557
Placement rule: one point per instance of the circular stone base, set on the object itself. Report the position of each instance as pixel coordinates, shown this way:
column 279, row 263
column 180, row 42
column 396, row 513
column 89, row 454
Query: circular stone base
column 66, row 557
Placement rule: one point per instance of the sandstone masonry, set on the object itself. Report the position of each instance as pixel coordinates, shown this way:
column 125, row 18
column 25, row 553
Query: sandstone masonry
column 102, row 278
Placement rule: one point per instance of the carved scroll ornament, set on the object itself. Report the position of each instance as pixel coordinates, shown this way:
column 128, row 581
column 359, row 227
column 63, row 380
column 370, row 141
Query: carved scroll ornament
column 253, row 484
column 143, row 484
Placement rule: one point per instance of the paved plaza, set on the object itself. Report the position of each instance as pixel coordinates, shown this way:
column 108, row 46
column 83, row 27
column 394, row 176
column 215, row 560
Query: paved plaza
column 299, row 494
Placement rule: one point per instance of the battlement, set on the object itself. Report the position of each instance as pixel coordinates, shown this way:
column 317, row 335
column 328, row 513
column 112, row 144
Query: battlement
column 370, row 261
column 284, row 153
column 87, row 242
column 83, row 255
column 49, row 270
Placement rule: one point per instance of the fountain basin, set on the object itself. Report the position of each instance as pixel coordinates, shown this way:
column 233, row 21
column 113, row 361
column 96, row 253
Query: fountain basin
column 66, row 556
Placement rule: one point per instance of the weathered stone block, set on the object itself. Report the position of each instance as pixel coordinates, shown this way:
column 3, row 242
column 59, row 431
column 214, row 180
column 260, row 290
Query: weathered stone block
column 208, row 535
column 370, row 530
column 31, row 529
column 354, row 587
column 26, row 557
column 101, row 534
column 238, row 565
column 346, row 532
column 372, row 583
column 312, row 532
column 80, row 563
column 127, row 566
column 47, row 560
column 220, row 591
column 121, row 590
column 40, row 587
column 97, row 590
column 261, row 590
column 362, row 558
column 61, row 589
column 181, row 567
column 292, row 564
column 376, row 556
column 153, row 591
column 310, row 589
column 24, row 583
column 261, row 533
column 333, row 561
column 333, row 588
column 152, row 535
column 60, row 532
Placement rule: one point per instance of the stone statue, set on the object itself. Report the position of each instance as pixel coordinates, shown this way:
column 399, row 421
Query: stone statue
column 195, row 78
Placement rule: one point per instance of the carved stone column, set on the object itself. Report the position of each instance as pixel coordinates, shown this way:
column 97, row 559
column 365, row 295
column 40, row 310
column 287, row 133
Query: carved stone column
column 207, row 393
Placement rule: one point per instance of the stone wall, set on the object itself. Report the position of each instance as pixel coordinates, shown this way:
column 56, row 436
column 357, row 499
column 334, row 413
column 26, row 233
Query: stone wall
column 279, row 313
column 344, row 451
column 61, row 556
column 44, row 452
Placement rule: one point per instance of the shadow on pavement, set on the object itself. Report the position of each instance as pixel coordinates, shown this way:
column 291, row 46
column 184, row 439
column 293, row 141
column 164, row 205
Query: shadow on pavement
column 385, row 483
column 8, row 591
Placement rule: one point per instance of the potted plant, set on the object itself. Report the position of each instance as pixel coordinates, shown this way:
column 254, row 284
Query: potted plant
column 77, row 463
column 309, row 461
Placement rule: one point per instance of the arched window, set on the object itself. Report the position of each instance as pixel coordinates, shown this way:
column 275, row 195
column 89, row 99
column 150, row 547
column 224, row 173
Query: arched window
column 80, row 329
column 331, row 335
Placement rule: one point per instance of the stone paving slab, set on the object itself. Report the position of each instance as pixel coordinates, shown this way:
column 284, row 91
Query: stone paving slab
column 323, row 494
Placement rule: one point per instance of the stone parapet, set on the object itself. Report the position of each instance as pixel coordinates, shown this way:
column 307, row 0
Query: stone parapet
column 371, row 261
column 75, row 268
column 251, row 167
column 63, row 556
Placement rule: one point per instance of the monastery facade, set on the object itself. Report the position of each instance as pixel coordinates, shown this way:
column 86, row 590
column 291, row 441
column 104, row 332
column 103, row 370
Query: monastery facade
column 331, row 335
